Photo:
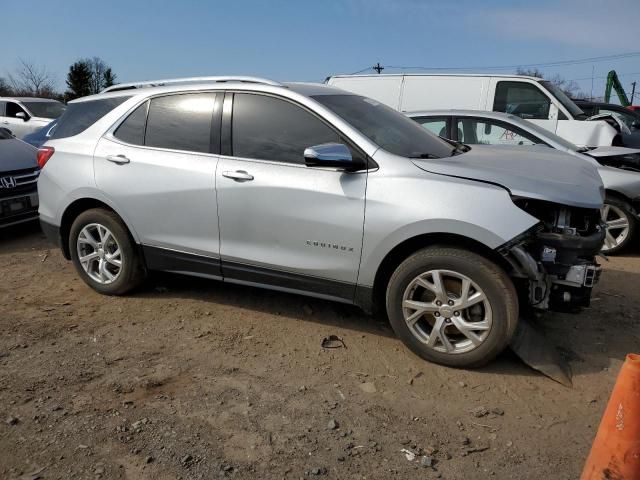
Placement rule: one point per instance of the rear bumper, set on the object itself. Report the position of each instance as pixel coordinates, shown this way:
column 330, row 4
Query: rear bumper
column 52, row 232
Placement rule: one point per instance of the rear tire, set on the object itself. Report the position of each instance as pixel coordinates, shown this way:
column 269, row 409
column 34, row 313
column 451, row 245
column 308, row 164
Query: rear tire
column 104, row 254
column 621, row 225
column 469, row 302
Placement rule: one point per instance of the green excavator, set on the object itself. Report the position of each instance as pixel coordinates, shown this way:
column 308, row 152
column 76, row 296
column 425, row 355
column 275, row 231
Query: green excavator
column 614, row 82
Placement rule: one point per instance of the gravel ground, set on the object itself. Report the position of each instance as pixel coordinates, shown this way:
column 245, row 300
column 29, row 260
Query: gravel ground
column 190, row 379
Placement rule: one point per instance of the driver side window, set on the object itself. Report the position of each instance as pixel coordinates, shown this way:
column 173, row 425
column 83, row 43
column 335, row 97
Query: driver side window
column 12, row 109
column 522, row 99
column 486, row 132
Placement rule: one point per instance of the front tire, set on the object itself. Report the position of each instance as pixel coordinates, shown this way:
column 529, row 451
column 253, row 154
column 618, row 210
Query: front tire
column 104, row 253
column 621, row 225
column 451, row 306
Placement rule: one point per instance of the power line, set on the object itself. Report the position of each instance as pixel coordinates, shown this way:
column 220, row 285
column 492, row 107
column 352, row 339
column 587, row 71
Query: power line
column 527, row 65
column 604, row 76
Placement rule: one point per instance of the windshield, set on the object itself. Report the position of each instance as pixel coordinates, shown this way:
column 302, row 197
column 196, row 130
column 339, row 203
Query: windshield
column 566, row 102
column 544, row 133
column 386, row 127
column 45, row 109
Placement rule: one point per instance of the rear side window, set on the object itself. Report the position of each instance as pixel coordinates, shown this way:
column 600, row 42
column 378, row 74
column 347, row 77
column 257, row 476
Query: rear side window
column 268, row 128
column 80, row 116
column 522, row 99
column 181, row 122
column 132, row 129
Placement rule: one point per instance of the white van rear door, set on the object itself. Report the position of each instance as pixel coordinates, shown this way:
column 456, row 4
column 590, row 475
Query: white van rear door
column 434, row 92
column 385, row 89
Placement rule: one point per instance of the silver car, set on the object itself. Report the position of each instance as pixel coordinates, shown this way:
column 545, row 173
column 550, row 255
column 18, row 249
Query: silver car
column 306, row 188
column 619, row 167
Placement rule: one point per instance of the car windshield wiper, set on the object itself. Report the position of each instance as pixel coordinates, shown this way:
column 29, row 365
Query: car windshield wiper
column 423, row 155
column 459, row 147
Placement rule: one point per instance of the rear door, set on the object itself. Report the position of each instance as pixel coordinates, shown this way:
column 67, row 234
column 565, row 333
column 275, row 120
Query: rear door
column 158, row 168
column 283, row 224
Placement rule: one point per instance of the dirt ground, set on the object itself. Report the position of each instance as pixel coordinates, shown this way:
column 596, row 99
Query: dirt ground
column 190, row 379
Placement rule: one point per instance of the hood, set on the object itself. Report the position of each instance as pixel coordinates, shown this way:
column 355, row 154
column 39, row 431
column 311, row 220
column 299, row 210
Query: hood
column 16, row 155
column 618, row 157
column 530, row 172
column 600, row 152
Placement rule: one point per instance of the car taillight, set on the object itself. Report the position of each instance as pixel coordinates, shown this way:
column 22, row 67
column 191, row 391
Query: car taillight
column 44, row 154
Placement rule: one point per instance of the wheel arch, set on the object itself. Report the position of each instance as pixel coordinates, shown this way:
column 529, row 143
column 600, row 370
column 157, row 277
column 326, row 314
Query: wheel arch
column 74, row 209
column 373, row 298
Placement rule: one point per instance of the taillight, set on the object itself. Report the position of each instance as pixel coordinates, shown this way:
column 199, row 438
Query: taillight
column 44, row 154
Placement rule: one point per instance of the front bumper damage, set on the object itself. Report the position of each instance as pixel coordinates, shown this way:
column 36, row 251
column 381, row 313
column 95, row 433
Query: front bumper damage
column 554, row 265
column 554, row 268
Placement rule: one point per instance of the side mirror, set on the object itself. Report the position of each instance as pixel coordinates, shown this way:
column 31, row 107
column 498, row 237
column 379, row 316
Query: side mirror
column 332, row 155
column 22, row 115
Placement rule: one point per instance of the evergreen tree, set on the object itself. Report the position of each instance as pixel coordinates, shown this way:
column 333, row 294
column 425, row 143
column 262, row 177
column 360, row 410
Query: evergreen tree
column 109, row 78
column 78, row 80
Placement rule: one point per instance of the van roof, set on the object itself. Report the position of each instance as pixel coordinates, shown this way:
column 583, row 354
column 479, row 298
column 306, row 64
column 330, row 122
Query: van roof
column 436, row 75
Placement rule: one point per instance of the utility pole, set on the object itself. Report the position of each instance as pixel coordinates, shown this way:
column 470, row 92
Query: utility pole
column 633, row 91
column 378, row 68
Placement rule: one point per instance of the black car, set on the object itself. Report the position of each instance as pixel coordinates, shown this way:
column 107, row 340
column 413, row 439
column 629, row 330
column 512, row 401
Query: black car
column 630, row 118
column 18, row 180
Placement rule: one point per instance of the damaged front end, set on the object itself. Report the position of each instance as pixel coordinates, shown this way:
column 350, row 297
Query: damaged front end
column 554, row 263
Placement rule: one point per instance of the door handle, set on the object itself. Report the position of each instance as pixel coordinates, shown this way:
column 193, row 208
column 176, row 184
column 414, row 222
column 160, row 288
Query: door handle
column 239, row 175
column 119, row 159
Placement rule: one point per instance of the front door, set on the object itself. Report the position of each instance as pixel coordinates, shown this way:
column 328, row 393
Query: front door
column 158, row 168
column 283, row 224
column 18, row 126
column 526, row 100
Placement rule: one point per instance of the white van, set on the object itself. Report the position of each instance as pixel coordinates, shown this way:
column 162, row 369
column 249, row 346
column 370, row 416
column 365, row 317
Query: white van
column 534, row 99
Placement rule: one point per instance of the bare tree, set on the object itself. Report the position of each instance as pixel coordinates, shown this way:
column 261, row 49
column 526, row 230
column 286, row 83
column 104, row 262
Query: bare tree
column 31, row 79
column 5, row 88
column 569, row 87
column 98, row 69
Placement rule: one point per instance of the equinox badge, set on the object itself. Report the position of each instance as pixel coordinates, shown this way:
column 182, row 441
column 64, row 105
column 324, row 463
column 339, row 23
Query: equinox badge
column 334, row 246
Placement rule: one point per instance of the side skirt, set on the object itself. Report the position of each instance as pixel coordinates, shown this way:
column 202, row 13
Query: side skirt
column 167, row 260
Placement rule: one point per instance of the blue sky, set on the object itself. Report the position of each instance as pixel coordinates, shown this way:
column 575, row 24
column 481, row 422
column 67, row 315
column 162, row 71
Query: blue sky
column 308, row 40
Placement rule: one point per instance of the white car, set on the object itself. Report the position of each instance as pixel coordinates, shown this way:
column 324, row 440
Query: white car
column 619, row 167
column 530, row 98
column 24, row 115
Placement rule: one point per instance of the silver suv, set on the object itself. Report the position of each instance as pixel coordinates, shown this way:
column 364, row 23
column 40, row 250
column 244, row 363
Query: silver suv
column 306, row 188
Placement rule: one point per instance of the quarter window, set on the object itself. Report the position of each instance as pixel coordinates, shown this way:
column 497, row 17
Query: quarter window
column 483, row 132
column 269, row 128
column 132, row 129
column 523, row 99
column 181, row 122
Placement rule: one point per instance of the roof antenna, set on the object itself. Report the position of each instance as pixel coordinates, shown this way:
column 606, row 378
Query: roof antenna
column 378, row 68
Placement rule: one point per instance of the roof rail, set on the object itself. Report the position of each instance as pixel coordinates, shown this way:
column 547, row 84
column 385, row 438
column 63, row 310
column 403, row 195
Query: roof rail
column 172, row 81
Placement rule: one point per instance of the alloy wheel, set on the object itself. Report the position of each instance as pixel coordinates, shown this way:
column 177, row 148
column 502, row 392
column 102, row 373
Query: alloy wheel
column 617, row 229
column 447, row 311
column 99, row 253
